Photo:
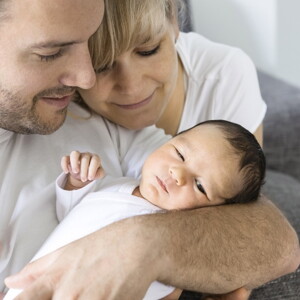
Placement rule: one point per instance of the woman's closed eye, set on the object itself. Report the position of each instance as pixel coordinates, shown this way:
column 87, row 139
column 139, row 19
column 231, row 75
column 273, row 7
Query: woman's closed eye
column 200, row 187
column 149, row 52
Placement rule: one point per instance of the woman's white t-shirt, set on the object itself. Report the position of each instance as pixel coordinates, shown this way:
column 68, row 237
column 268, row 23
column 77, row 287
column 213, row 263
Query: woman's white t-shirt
column 221, row 83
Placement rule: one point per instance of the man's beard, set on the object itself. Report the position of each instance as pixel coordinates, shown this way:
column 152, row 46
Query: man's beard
column 21, row 117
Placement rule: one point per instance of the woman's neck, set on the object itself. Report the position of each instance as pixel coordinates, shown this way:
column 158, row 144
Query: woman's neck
column 170, row 120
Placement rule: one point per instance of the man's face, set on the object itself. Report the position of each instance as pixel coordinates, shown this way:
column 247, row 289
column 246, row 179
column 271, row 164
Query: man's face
column 43, row 57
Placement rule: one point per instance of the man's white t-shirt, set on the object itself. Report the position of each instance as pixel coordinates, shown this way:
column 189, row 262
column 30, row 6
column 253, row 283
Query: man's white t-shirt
column 30, row 165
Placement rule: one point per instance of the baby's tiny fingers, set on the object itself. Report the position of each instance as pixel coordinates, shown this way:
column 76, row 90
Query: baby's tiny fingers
column 75, row 161
column 100, row 173
column 84, row 166
column 95, row 165
column 64, row 163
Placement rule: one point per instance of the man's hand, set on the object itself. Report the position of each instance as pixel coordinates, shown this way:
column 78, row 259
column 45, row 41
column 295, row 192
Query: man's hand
column 82, row 169
column 239, row 294
column 109, row 264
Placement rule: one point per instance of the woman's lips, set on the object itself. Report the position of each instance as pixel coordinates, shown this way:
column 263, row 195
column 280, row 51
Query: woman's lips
column 163, row 186
column 135, row 105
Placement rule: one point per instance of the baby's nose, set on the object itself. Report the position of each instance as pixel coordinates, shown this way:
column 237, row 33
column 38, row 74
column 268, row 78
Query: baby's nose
column 179, row 175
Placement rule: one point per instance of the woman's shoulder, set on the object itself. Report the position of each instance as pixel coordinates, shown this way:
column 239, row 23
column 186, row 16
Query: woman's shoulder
column 197, row 43
column 201, row 55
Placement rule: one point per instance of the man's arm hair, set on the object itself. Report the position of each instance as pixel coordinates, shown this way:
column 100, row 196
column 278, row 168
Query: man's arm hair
column 219, row 249
column 214, row 250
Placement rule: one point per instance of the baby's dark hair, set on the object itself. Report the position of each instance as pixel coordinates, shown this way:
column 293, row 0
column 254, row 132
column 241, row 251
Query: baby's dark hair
column 252, row 159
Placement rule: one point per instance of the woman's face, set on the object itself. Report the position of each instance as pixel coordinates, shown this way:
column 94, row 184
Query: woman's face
column 136, row 90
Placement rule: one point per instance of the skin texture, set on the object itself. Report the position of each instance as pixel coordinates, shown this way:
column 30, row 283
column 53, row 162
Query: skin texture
column 221, row 241
column 82, row 169
column 194, row 169
column 52, row 54
column 213, row 276
column 239, row 294
column 123, row 90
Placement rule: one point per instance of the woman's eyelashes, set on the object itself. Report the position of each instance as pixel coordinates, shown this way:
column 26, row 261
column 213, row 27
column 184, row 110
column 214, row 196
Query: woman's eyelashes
column 179, row 154
column 149, row 52
column 200, row 187
column 106, row 68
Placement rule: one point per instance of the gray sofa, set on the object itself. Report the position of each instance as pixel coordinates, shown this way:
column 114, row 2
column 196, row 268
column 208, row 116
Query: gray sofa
column 282, row 149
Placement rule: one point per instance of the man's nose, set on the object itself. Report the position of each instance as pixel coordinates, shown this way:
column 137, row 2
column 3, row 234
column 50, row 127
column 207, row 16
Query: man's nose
column 80, row 72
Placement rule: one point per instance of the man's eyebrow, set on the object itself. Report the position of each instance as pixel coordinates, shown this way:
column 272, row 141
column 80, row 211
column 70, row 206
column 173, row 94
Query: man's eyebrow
column 52, row 44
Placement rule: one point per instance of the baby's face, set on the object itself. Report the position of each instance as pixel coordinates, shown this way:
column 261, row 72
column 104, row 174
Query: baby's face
column 193, row 169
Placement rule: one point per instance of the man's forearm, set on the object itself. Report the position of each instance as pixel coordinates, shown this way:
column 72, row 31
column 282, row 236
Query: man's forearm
column 219, row 249
column 211, row 250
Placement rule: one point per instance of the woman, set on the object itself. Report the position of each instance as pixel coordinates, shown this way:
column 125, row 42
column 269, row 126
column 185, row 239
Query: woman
column 150, row 73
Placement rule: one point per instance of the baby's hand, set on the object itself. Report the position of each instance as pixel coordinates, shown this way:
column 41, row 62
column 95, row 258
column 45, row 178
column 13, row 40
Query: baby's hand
column 82, row 169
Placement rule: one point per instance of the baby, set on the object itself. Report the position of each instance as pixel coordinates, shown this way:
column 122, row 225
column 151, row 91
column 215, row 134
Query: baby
column 213, row 163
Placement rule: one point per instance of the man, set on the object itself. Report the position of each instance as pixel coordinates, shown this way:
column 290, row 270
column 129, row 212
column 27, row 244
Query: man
column 43, row 58
column 40, row 47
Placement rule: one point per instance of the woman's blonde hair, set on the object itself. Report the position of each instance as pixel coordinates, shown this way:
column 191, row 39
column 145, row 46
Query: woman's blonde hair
column 127, row 23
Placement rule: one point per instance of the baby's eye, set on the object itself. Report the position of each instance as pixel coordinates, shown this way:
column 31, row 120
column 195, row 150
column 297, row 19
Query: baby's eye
column 200, row 187
column 179, row 154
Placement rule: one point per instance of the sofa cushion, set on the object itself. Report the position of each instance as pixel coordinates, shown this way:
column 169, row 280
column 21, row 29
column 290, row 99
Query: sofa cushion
column 281, row 125
column 284, row 191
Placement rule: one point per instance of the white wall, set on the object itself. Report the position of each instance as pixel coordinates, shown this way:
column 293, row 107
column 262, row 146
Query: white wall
column 268, row 30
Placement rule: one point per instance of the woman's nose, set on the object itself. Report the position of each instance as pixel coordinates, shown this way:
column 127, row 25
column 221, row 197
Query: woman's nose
column 179, row 175
column 127, row 79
